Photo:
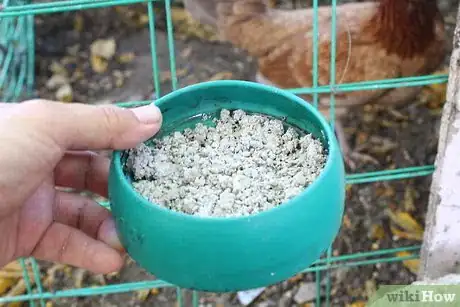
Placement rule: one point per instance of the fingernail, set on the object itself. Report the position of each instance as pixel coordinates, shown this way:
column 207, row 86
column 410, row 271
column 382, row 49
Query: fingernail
column 108, row 234
column 149, row 114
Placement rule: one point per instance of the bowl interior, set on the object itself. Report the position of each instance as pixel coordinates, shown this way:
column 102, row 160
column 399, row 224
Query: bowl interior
column 203, row 102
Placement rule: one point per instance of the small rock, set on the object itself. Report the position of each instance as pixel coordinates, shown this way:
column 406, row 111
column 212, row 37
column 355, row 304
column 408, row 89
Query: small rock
column 220, row 302
column 126, row 57
column 162, row 298
column 339, row 275
column 306, row 293
column 104, row 48
column 247, row 297
column 285, row 301
column 266, row 304
column 99, row 64
column 56, row 80
column 64, row 93
column 370, row 287
column 58, row 68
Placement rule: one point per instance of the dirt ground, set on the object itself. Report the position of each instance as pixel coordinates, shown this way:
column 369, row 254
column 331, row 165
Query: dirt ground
column 406, row 136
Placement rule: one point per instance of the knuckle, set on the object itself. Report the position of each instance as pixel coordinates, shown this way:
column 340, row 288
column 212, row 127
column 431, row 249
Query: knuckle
column 112, row 117
column 110, row 121
column 115, row 122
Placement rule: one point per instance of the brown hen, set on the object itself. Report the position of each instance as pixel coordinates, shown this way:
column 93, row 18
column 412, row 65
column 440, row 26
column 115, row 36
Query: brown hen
column 375, row 40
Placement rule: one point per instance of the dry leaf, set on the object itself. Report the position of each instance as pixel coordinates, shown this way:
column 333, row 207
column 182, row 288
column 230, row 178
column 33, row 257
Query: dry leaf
column 186, row 52
column 56, row 81
column 68, row 60
column 78, row 23
column 225, row 75
column 5, row 284
column 377, row 232
column 99, row 64
column 104, row 48
column 434, row 95
column 142, row 295
column 409, row 195
column 15, row 304
column 371, row 288
column 79, row 277
column 186, row 26
column 51, row 274
column 113, row 274
column 411, row 264
column 410, row 227
column 129, row 261
column 296, row 278
column 133, row 17
column 142, row 20
column 58, row 68
column 397, row 115
column 155, row 291
column 405, row 235
column 14, row 274
column 362, row 138
column 385, row 191
column 12, row 266
column 119, row 78
column 383, row 146
column 387, row 124
column 18, row 289
column 348, row 188
column 64, row 93
column 166, row 75
column 122, row 9
column 126, row 57
column 49, row 304
column 346, row 221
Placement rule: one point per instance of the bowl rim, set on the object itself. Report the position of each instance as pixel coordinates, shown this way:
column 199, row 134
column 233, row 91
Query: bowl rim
column 325, row 128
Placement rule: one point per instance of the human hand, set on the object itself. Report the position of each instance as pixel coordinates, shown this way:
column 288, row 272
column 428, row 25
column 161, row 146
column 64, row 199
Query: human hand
column 45, row 145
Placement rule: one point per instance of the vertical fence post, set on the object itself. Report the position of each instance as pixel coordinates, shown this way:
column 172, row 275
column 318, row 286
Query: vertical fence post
column 440, row 254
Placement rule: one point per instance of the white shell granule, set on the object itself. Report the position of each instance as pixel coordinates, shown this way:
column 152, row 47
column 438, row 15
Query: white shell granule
column 244, row 165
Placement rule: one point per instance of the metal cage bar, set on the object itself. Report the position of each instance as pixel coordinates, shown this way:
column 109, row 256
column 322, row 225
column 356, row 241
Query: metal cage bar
column 17, row 76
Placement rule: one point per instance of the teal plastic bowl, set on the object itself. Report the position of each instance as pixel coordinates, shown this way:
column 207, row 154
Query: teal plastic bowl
column 238, row 253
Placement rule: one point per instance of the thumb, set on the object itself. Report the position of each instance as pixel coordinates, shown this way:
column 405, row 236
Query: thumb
column 76, row 126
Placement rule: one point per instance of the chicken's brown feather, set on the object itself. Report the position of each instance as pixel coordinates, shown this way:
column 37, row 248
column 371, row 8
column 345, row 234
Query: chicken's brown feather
column 375, row 41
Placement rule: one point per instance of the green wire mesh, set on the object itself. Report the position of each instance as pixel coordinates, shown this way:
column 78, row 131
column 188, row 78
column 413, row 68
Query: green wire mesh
column 16, row 54
column 17, row 80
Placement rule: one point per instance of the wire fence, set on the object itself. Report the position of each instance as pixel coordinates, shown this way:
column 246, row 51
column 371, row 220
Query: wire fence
column 17, row 77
